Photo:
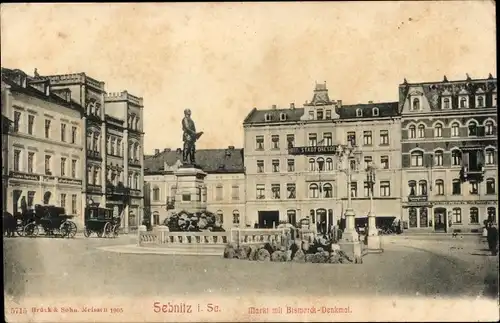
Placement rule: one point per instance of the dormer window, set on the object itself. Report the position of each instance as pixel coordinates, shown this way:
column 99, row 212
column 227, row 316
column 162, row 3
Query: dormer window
column 375, row 112
column 480, row 101
column 311, row 115
column 268, row 117
column 415, row 105
column 282, row 116
column 328, row 114
column 446, row 103
column 319, row 114
column 463, row 102
column 359, row 113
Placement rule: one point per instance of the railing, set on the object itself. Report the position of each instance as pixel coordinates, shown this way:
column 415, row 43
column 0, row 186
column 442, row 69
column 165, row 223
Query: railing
column 256, row 236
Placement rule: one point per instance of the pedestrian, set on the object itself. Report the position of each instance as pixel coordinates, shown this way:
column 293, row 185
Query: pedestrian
column 484, row 236
column 493, row 239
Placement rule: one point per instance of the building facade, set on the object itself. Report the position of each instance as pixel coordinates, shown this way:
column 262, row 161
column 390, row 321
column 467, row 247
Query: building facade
column 281, row 186
column 46, row 152
column 449, row 153
column 224, row 184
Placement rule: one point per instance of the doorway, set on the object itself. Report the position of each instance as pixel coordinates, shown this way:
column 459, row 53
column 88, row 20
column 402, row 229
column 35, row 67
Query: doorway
column 440, row 219
column 268, row 218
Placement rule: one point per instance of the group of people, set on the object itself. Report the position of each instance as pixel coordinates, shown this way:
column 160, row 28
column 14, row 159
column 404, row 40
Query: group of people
column 490, row 235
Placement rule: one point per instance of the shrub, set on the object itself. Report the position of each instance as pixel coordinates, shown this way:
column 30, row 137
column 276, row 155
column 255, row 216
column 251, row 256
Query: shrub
column 263, row 255
column 277, row 256
column 299, row 256
column 229, row 252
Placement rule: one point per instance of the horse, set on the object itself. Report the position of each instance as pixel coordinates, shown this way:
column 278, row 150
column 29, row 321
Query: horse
column 9, row 223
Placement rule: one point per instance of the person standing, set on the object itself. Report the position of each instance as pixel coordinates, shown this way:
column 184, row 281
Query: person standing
column 493, row 239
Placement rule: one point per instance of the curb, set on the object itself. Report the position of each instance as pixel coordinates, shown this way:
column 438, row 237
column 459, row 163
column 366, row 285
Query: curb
column 134, row 249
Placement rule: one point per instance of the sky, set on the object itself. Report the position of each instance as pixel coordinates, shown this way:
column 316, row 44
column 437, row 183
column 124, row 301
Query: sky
column 222, row 59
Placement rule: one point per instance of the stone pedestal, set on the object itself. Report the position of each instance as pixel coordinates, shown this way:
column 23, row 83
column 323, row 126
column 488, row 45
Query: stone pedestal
column 349, row 234
column 190, row 186
column 374, row 243
column 353, row 250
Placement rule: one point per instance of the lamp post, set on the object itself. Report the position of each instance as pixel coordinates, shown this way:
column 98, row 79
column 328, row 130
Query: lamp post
column 373, row 237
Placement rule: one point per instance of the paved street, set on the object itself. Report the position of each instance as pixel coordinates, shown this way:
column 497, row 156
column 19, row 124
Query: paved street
column 62, row 267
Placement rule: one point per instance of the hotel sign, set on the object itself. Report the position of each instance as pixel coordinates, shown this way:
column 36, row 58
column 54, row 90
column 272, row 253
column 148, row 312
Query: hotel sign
column 422, row 198
column 27, row 177
column 313, row 150
column 69, row 181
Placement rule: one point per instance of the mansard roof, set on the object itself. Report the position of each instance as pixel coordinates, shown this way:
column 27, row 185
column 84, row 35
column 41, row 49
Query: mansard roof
column 385, row 109
column 275, row 115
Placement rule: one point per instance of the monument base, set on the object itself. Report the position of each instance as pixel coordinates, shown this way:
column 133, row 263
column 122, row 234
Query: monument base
column 190, row 166
column 374, row 244
column 353, row 250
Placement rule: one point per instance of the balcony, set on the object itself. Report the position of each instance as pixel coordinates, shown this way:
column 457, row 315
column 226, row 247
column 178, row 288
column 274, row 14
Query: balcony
column 473, row 173
column 170, row 203
column 118, row 189
column 135, row 162
column 94, row 154
column 94, row 188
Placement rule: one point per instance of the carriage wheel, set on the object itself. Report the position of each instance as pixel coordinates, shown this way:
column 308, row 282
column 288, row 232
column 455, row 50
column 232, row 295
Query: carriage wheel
column 31, row 230
column 68, row 229
column 107, row 230
column 116, row 228
column 87, row 232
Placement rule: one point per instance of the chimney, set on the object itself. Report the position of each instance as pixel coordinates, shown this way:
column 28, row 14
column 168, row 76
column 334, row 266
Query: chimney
column 274, row 106
column 231, row 147
column 157, row 152
column 370, row 102
column 292, row 106
column 339, row 103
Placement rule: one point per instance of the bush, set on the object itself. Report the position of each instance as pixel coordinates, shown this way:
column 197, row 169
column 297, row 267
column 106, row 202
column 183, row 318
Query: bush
column 263, row 255
column 229, row 252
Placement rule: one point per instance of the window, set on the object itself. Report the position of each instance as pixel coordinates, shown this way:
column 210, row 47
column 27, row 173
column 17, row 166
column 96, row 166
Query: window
column 421, row 131
column 359, row 113
column 412, row 132
column 17, row 160
column 275, row 189
column 480, row 101
column 375, row 112
column 312, row 164
column 446, row 103
column 455, row 129
column 74, row 209
column 438, row 130
column 490, row 156
column 47, row 165
column 73, row 135
column 97, row 178
column 423, row 217
column 321, row 164
column 31, row 124
column 17, row 120
column 259, row 142
column 354, row 189
column 327, row 139
column 275, row 139
column 352, row 164
column 327, row 190
column 31, row 160
column 473, row 188
column 218, row 192
column 96, row 142
column 456, row 187
column 313, row 190
column 108, row 146
column 472, row 128
column 156, row 194
column 291, row 165
column 313, row 139
column 412, row 186
column 439, row 187
column 47, row 128
column 417, row 159
column 329, row 164
column 367, row 189
column 73, row 168
column 290, row 139
column 463, row 102
column 261, row 191
column 385, row 188
column 235, row 192
column 368, row 161
column 384, row 162
column 384, row 137
column 260, row 166
column 319, row 114
column 457, row 215
column 63, row 132
column 292, row 216
column 63, row 166
column 491, row 212
column 311, row 115
column 490, row 186
column 113, row 148
column 136, row 181
column 328, row 114
column 488, row 128
column 351, row 138
column 276, row 165
column 290, row 188
column 416, row 104
column 63, row 200
column 119, row 148
column 438, row 158
column 474, row 215
column 422, row 187
column 367, row 138
column 456, row 157
column 236, row 217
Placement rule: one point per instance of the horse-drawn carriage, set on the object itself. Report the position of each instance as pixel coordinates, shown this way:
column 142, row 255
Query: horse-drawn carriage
column 53, row 221
column 100, row 221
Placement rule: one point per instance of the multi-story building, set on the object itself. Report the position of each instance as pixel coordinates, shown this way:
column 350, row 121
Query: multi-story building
column 224, row 184
column 6, row 126
column 449, row 153
column 282, row 186
column 46, row 146
column 113, row 147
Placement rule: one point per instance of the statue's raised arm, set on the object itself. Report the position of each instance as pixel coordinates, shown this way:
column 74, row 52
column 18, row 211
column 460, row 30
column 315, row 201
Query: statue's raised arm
column 189, row 137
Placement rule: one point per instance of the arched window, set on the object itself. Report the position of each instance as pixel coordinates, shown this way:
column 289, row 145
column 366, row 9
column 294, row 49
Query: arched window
column 472, row 128
column 416, row 104
column 312, row 164
column 457, row 215
column 488, row 128
column 480, row 101
column 359, row 113
column 89, row 140
column 412, row 187
column 156, row 218
column 489, row 156
column 136, row 181
column 375, row 112
column 329, row 164
column 312, row 213
column 474, row 215
column 492, row 214
column 438, row 158
column 446, row 103
column 219, row 216
column 439, row 187
column 156, row 194
column 412, row 132
column 455, row 129
column 292, row 217
column 463, row 102
column 422, row 187
column 236, row 217
column 136, row 123
column 421, row 131
column 456, row 157
column 438, row 130
column 136, row 153
column 327, row 190
column 490, row 186
column 417, row 158
column 313, row 190
column 321, row 164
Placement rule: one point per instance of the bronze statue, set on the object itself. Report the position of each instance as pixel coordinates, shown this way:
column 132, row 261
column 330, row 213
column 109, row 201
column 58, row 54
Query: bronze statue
column 190, row 136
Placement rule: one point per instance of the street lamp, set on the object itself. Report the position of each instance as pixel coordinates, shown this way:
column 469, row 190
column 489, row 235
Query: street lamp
column 373, row 237
column 348, row 153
